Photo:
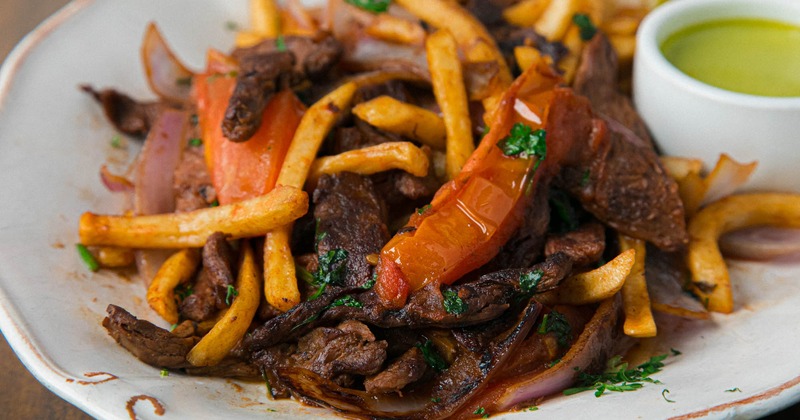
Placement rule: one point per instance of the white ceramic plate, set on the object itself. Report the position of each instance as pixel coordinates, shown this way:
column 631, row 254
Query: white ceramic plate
column 53, row 139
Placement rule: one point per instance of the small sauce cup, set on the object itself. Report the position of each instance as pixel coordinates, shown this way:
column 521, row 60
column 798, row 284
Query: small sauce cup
column 692, row 119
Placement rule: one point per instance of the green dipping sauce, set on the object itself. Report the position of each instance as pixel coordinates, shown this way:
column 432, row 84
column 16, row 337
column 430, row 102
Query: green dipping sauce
column 754, row 56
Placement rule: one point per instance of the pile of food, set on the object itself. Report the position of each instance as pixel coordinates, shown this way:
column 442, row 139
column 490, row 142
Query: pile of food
column 417, row 208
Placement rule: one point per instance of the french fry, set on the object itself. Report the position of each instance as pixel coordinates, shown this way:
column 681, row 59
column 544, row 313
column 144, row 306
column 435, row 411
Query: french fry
column 678, row 168
column 280, row 281
column 380, row 77
column 230, row 329
column 295, row 20
column 639, row 320
column 569, row 63
column 448, row 87
column 113, row 257
column 473, row 39
column 391, row 28
column 592, row 286
column 246, row 39
column 624, row 45
column 404, row 119
column 371, row 160
column 526, row 12
column 178, row 268
column 556, row 19
column 710, row 277
column 248, row 218
column 528, row 57
column 622, row 25
column 265, row 18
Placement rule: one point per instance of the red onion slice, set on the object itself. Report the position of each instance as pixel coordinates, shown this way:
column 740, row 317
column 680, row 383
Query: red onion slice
column 166, row 75
column 115, row 183
column 762, row 243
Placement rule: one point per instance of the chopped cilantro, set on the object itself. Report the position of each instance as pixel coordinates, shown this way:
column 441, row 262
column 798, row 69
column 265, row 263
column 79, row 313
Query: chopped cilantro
column 529, row 281
column 195, row 142
column 346, row 301
column 454, row 304
column 423, row 209
column 371, row 282
column 553, row 363
column 531, row 408
column 87, row 257
column 230, row 294
column 304, row 275
column 331, row 270
column 374, row 6
column 524, row 142
column 555, row 322
column 231, row 25
column 584, row 22
column 431, row 356
column 733, row 390
column 617, row 377
column 214, row 203
column 486, row 130
column 436, row 400
column 193, row 119
column 164, row 373
column 184, row 290
column 675, row 352
column 566, row 215
column 585, row 178
column 280, row 44
column 664, row 393
column 172, row 327
column 116, row 141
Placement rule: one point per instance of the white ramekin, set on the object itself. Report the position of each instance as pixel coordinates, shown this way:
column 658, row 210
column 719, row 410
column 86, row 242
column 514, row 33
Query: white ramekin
column 692, row 119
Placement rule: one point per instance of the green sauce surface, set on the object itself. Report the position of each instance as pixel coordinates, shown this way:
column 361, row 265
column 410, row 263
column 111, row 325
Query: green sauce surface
column 754, row 56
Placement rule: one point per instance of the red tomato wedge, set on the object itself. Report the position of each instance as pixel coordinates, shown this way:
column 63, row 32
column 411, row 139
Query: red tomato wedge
column 243, row 170
column 473, row 215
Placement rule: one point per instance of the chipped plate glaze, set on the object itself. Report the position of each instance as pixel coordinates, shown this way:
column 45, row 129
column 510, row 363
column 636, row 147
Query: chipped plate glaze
column 53, row 140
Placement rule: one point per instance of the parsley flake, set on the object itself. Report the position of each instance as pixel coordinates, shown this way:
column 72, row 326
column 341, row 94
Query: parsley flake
column 164, row 373
column 422, row 210
column 374, row 6
column 585, row 25
column 184, row 290
column 664, row 393
column 280, row 44
column 184, row 81
column 231, row 25
column 529, row 281
column 453, row 304
column 733, row 390
column 555, row 322
column 87, row 257
column 195, row 142
column 371, row 282
column 479, row 411
column 431, row 356
column 675, row 352
column 346, row 301
column 331, row 270
column 230, row 294
column 116, row 141
column 617, row 377
column 524, row 142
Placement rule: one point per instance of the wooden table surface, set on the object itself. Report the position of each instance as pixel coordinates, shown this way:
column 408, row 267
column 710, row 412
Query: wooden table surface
column 21, row 395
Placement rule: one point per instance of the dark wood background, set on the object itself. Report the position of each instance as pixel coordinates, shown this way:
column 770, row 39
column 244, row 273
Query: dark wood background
column 21, row 396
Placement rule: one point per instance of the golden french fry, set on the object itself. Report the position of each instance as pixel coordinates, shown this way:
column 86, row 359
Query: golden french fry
column 710, row 278
column 404, row 119
column 311, row 132
column 391, row 28
column 265, row 18
column 248, row 218
column 113, row 257
column 473, row 39
column 569, row 63
column 230, row 329
column 592, row 286
column 371, row 160
column 526, row 12
column 726, row 177
column 639, row 320
column 280, row 281
column 448, row 87
column 678, row 168
column 528, row 57
column 556, row 19
column 379, row 77
column 296, row 20
column 624, row 45
column 178, row 268
column 622, row 25
column 248, row 39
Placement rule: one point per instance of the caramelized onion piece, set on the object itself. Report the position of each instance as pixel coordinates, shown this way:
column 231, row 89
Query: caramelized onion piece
column 762, row 243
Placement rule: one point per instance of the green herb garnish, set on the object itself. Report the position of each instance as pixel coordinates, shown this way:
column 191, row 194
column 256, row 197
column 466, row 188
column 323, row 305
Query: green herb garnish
column 423, row 209
column 374, row 6
column 116, row 141
column 524, row 142
column 733, row 390
column 346, row 300
column 556, row 323
column 431, row 356
column 675, row 352
column 553, row 363
column 664, row 393
column 231, row 25
column 304, row 275
column 454, row 304
column 193, row 119
column 617, row 377
column 230, row 294
column 184, row 81
column 164, row 373
column 214, row 203
column 195, row 142
column 584, row 22
column 172, row 327
column 436, row 400
column 184, row 290
column 280, row 44
column 371, row 282
column 566, row 219
column 331, row 271
column 585, row 178
column 529, row 281
column 532, row 408
column 87, row 257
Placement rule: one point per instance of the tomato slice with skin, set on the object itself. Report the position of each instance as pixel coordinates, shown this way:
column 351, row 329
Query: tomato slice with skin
column 473, row 215
column 240, row 171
